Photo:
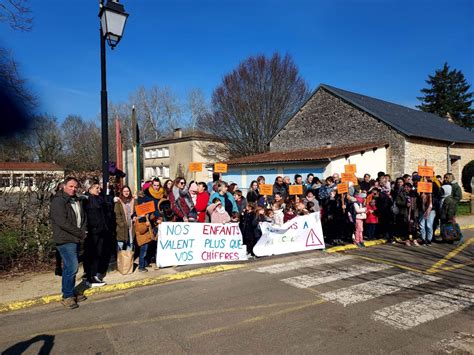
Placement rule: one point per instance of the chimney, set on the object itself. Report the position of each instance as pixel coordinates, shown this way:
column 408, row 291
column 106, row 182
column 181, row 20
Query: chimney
column 178, row 133
column 328, row 145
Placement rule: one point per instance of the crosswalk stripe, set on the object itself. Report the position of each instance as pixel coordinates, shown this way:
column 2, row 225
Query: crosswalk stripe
column 376, row 288
column 305, row 281
column 426, row 308
column 294, row 265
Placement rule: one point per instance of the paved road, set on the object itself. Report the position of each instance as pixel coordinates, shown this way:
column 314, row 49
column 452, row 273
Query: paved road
column 386, row 299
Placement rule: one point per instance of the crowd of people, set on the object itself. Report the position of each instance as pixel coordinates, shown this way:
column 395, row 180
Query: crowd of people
column 102, row 223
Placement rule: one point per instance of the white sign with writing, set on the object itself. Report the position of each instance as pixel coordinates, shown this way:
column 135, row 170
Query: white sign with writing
column 299, row 234
column 198, row 243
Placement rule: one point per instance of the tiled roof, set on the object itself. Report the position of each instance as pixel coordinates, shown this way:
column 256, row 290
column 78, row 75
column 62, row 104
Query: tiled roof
column 29, row 166
column 411, row 122
column 315, row 154
column 187, row 136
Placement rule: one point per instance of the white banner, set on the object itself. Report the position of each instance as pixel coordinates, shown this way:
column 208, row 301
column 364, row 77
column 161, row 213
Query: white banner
column 299, row 234
column 197, row 243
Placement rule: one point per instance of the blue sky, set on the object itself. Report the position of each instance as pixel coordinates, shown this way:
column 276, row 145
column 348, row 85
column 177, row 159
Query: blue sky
column 380, row 48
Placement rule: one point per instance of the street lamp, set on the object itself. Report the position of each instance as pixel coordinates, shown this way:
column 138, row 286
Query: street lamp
column 112, row 23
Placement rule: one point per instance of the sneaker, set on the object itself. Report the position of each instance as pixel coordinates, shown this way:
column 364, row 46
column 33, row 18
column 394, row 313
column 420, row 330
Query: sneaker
column 70, row 303
column 143, row 270
column 407, row 243
column 80, row 297
column 98, row 279
column 95, row 283
column 362, row 244
column 428, row 244
column 415, row 243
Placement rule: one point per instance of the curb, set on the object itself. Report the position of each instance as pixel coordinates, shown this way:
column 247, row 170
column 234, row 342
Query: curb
column 18, row 305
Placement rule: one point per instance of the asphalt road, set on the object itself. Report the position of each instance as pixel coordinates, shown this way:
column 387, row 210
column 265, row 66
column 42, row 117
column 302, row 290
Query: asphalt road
column 385, row 299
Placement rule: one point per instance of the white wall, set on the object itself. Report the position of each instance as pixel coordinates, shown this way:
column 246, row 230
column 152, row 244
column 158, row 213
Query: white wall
column 370, row 162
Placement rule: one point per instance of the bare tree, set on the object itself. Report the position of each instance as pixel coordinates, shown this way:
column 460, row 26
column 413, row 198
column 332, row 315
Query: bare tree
column 254, row 101
column 196, row 106
column 17, row 14
column 158, row 111
column 82, row 144
column 48, row 140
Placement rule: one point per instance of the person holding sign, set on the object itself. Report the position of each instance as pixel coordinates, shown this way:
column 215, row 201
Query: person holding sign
column 426, row 216
column 144, row 221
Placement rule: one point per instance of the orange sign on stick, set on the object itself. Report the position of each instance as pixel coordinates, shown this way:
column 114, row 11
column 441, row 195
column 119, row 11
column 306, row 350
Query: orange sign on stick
column 195, row 167
column 220, row 168
column 425, row 187
column 350, row 168
column 296, row 189
column 145, row 208
column 342, row 188
column 266, row 189
column 424, row 170
column 347, row 177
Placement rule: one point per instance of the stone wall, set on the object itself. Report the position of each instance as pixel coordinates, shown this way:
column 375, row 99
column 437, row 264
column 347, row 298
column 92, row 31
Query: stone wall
column 328, row 119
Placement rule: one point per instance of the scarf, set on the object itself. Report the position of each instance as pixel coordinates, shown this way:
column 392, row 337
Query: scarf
column 157, row 195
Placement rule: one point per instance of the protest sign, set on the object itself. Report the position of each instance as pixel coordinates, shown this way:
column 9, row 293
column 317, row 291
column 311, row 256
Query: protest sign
column 342, row 188
column 424, row 187
column 350, row 168
column 266, row 189
column 424, row 170
column 198, row 243
column 348, row 177
column 296, row 189
column 145, row 208
column 195, row 167
column 220, row 168
column 299, row 234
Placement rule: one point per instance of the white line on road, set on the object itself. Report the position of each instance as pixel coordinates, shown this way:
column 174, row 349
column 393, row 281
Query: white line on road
column 372, row 289
column 294, row 265
column 305, row 281
column 426, row 308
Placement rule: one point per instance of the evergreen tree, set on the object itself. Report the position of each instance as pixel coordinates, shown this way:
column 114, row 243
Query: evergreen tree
column 448, row 96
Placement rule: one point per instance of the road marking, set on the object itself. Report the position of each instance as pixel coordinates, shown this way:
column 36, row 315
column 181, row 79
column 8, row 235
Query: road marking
column 294, row 265
column 388, row 262
column 326, row 276
column 450, row 255
column 462, row 343
column 426, row 308
column 372, row 289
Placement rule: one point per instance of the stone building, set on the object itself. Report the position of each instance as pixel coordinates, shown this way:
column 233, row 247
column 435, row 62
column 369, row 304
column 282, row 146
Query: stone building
column 170, row 157
column 16, row 176
column 337, row 118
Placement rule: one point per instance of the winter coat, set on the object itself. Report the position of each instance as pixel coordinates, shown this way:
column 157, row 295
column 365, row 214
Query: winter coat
column 63, row 218
column 230, row 208
column 181, row 203
column 456, row 192
column 123, row 222
column 218, row 215
column 96, row 214
column 280, row 189
column 371, row 215
column 278, row 217
column 201, row 205
column 360, row 210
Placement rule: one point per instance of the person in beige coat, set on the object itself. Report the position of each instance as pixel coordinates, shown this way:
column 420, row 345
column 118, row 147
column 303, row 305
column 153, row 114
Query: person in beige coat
column 123, row 208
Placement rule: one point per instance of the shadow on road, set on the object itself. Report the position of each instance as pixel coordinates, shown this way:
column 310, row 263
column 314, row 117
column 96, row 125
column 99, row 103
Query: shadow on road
column 21, row 347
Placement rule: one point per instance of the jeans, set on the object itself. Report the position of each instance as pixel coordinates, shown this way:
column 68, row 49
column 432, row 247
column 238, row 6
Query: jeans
column 426, row 226
column 141, row 260
column 69, row 253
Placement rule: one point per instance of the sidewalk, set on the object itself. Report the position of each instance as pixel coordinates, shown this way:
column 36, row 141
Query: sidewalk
column 26, row 290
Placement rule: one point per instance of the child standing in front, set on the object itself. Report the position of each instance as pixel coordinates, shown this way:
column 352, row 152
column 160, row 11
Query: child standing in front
column 371, row 221
column 361, row 215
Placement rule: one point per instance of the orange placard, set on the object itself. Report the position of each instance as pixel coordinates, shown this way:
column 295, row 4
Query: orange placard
column 424, row 187
column 195, row 167
column 145, row 208
column 266, row 189
column 347, row 177
column 296, row 189
column 424, row 170
column 342, row 188
column 350, row 168
column 220, row 168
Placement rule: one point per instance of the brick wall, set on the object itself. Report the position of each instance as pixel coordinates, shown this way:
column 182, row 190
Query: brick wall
column 327, row 119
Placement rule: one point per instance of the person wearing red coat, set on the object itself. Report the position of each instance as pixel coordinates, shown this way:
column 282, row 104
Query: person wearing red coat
column 202, row 201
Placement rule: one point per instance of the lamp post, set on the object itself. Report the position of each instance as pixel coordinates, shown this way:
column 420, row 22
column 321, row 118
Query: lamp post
column 112, row 23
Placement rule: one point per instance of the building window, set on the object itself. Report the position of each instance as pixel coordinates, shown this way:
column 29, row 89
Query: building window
column 5, row 180
column 160, row 153
column 165, row 171
column 147, row 154
column 211, row 150
column 166, row 152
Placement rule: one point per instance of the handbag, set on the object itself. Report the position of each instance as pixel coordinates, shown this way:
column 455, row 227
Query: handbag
column 449, row 232
column 143, row 232
column 125, row 261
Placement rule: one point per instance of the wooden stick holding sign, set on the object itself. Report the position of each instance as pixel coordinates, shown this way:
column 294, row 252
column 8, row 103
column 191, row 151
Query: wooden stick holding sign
column 266, row 189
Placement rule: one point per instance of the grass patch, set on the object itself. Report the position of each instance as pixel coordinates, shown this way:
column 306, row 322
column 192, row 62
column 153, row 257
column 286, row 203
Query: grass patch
column 464, row 208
